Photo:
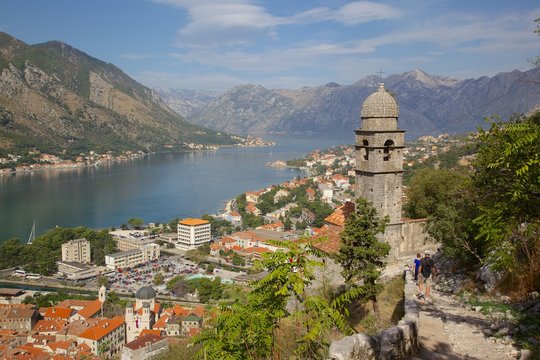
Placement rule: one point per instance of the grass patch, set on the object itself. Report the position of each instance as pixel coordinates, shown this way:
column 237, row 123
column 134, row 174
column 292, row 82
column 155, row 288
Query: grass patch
column 391, row 309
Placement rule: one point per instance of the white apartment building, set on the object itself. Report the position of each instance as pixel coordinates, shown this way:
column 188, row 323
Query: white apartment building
column 193, row 233
column 130, row 258
column 76, row 251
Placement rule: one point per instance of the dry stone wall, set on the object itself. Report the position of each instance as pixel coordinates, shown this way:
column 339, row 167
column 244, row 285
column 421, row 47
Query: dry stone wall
column 398, row 342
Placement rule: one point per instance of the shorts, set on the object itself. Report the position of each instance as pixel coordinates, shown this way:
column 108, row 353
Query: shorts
column 427, row 281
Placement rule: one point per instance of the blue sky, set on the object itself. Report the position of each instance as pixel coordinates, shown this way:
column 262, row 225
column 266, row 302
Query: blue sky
column 217, row 44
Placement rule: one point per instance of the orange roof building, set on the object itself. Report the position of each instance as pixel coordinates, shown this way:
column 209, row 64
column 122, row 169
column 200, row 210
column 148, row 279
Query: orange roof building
column 111, row 331
column 49, row 326
column 341, row 214
column 144, row 347
column 193, row 233
column 57, row 313
column 92, row 309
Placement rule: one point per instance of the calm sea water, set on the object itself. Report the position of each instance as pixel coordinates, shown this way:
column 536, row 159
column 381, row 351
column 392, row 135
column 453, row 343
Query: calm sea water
column 156, row 189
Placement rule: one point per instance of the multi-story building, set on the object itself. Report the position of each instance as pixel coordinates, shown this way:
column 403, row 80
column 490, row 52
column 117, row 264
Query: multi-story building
column 144, row 347
column 18, row 317
column 193, row 233
column 130, row 258
column 76, row 251
column 106, row 338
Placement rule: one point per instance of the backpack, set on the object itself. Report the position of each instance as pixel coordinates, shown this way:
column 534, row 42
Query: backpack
column 427, row 267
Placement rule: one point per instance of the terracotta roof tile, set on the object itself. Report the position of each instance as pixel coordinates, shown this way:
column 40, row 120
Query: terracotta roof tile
column 71, row 303
column 49, row 325
column 199, row 311
column 64, row 345
column 156, row 332
column 328, row 239
column 143, row 341
column 193, row 222
column 162, row 322
column 341, row 214
column 103, row 328
column 90, row 309
column 58, row 313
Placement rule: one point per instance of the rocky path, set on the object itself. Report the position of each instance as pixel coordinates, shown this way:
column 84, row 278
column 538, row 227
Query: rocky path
column 452, row 330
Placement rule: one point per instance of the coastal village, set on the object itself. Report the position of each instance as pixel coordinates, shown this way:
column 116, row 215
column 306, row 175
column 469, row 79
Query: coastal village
column 37, row 161
column 315, row 207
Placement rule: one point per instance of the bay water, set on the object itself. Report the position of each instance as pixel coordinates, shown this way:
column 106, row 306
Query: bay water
column 157, row 188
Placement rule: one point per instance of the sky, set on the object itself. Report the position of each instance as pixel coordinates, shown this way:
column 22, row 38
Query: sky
column 219, row 44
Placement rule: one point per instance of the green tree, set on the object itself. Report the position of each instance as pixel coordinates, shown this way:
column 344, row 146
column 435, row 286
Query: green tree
column 362, row 255
column 287, row 224
column 238, row 260
column 250, row 330
column 10, row 253
column 507, row 179
column 429, row 188
column 102, row 281
column 158, row 279
column 135, row 223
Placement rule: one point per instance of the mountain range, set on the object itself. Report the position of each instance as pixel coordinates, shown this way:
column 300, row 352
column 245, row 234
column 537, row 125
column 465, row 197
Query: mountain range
column 428, row 104
column 57, row 99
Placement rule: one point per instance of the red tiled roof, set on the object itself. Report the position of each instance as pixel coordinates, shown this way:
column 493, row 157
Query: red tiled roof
column 178, row 310
column 58, row 313
column 143, row 341
column 91, row 309
column 227, row 240
column 49, row 325
column 71, row 303
column 341, row 214
column 150, row 331
column 162, row 322
column 64, row 345
column 259, row 250
column 193, row 222
column 199, row 311
column 328, row 239
column 103, row 328
column 193, row 331
column 250, row 207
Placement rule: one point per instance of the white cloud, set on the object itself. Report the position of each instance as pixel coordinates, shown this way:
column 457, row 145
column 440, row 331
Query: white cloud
column 364, row 11
column 238, row 22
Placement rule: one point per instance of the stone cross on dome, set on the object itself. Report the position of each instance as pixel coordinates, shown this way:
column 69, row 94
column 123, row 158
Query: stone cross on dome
column 380, row 72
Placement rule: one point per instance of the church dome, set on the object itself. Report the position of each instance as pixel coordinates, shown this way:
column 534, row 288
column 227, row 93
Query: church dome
column 146, row 293
column 380, row 104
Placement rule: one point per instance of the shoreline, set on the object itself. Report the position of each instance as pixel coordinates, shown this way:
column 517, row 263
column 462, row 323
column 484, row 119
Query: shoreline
column 75, row 165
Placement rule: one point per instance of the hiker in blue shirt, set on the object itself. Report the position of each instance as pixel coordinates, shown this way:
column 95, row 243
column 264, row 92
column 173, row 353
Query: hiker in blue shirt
column 416, row 267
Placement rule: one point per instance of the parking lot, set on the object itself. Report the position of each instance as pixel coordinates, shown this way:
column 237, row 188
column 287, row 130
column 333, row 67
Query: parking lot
column 130, row 280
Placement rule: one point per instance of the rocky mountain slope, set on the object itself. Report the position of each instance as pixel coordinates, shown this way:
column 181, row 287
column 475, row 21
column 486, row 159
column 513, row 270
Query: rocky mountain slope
column 58, row 99
column 428, row 104
column 186, row 102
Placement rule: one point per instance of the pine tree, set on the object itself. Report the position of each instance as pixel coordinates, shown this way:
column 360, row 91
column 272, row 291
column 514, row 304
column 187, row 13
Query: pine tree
column 362, row 255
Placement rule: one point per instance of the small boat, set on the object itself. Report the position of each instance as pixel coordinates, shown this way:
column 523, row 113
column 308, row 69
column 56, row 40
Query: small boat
column 32, row 236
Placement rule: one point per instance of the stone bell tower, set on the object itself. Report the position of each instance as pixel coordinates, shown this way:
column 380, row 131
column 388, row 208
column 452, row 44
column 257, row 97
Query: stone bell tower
column 379, row 160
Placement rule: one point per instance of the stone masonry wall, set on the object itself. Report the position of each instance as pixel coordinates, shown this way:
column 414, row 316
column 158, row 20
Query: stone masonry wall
column 413, row 239
column 398, row 342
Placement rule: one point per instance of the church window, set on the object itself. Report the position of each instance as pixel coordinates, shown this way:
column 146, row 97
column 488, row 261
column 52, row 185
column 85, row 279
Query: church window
column 387, row 151
column 365, row 143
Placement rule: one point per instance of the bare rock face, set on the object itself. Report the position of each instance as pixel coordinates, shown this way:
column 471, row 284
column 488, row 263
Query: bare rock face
column 428, row 104
column 100, row 91
column 55, row 97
